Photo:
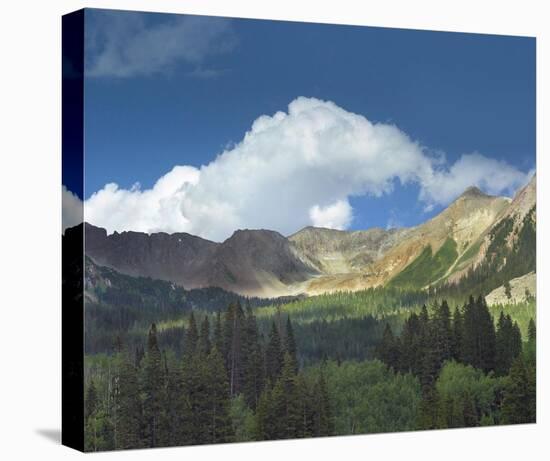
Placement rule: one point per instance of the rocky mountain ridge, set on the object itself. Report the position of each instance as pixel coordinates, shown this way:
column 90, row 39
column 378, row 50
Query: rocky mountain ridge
column 317, row 260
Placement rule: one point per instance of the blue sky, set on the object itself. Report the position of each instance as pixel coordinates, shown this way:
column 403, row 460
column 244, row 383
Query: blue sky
column 190, row 88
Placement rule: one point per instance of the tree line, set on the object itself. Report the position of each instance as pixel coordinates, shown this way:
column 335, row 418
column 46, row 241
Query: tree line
column 468, row 339
column 230, row 384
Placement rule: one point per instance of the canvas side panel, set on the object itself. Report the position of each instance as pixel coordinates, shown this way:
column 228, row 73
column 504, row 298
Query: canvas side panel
column 73, row 236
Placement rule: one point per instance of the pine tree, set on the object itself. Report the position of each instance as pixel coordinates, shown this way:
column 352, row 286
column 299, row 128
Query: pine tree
column 388, row 350
column 264, row 422
column 516, row 342
column 307, row 399
column 508, row 344
column 128, row 414
column 410, row 357
column 290, row 345
column 253, row 375
column 153, row 390
column 218, row 424
column 193, row 393
column 324, row 424
column 458, row 331
column 479, row 338
column 204, row 344
column 191, row 336
column 503, row 335
column 519, row 400
column 218, row 333
column 443, row 337
column 291, row 415
column 233, row 346
column 274, row 355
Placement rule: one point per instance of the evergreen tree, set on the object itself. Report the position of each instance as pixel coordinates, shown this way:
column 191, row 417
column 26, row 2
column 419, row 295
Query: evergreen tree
column 218, row 333
column 204, row 345
column 253, row 376
column 388, row 350
column 194, row 396
column 324, row 424
column 516, row 342
column 266, row 426
column 308, row 397
column 290, row 345
column 442, row 333
column 218, row 426
column 233, row 346
column 479, row 338
column 411, row 347
column 177, row 415
column 508, row 344
column 191, row 337
column 291, row 415
column 274, row 356
column 128, row 414
column 458, row 331
column 153, row 390
column 519, row 400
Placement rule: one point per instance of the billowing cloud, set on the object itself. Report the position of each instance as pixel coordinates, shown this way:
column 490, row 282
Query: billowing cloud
column 153, row 210
column 335, row 216
column 491, row 175
column 294, row 169
column 71, row 209
column 131, row 44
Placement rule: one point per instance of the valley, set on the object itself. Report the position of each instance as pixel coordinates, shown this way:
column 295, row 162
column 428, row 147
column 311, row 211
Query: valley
column 393, row 317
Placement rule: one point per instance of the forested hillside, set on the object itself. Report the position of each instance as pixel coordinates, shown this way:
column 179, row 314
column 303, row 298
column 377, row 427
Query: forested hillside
column 235, row 377
column 166, row 365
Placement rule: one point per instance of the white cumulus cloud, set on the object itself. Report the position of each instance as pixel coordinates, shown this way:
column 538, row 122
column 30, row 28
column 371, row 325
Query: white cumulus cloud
column 152, row 210
column 294, row 169
column 336, row 216
column 491, row 175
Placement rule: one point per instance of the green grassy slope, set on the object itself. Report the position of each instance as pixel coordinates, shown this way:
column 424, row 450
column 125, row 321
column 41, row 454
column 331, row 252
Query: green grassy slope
column 427, row 267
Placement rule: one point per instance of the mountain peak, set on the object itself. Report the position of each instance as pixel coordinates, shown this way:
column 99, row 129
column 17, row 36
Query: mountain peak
column 472, row 192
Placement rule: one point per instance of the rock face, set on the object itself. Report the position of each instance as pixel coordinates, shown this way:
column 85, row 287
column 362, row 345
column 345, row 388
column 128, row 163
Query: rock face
column 251, row 262
column 464, row 221
column 522, row 204
column 314, row 260
column 339, row 252
column 178, row 258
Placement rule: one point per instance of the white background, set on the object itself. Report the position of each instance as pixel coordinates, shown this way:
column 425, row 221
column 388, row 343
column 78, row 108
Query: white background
column 30, row 197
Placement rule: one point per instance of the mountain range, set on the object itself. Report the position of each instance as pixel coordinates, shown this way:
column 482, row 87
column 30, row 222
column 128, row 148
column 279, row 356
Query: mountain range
column 314, row 260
